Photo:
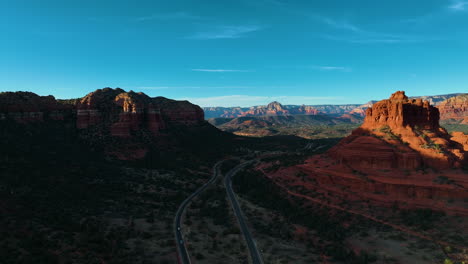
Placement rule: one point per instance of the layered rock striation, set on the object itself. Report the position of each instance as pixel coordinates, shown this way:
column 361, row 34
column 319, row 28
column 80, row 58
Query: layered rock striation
column 455, row 109
column 126, row 112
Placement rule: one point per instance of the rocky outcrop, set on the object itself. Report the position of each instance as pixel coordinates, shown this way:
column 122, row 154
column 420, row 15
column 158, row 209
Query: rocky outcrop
column 399, row 112
column 403, row 131
column 399, row 157
column 26, row 107
column 455, row 109
column 126, row 112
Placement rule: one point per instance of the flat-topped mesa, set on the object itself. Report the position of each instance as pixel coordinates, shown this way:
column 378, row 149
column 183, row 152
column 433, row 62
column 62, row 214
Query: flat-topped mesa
column 401, row 133
column 400, row 112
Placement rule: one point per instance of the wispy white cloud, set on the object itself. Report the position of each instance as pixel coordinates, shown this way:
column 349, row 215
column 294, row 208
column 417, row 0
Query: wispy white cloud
column 349, row 32
column 459, row 5
column 227, row 32
column 249, row 100
column 332, row 68
column 169, row 16
column 345, row 25
column 218, row 70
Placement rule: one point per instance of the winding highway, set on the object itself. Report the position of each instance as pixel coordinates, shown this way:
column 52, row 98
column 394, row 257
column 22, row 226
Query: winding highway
column 254, row 253
column 183, row 254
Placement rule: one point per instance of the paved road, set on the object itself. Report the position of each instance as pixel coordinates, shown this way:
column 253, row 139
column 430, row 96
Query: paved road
column 183, row 254
column 254, row 253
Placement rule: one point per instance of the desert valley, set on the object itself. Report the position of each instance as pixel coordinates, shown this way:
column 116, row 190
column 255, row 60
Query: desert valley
column 233, row 132
column 101, row 178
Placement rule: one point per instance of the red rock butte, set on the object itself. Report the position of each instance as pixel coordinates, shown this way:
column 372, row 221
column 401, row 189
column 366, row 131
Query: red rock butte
column 400, row 133
column 400, row 157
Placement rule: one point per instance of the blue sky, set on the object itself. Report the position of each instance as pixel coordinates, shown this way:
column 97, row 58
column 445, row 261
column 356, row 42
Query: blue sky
column 236, row 53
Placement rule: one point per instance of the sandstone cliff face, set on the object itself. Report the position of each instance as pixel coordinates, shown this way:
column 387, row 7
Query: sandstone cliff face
column 399, row 112
column 455, row 108
column 409, row 133
column 25, row 107
column 129, row 111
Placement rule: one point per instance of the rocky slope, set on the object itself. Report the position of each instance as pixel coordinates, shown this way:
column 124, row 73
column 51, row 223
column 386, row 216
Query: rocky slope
column 400, row 156
column 411, row 126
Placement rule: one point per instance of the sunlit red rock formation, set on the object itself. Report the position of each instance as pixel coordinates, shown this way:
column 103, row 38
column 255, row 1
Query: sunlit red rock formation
column 460, row 138
column 455, row 108
column 130, row 111
column 399, row 157
column 408, row 130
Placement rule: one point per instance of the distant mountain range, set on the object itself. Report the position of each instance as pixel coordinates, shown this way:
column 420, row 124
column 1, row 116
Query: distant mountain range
column 315, row 121
column 277, row 109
